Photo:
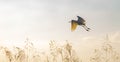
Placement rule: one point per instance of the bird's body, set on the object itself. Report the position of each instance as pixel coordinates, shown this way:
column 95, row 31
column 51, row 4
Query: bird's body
column 80, row 22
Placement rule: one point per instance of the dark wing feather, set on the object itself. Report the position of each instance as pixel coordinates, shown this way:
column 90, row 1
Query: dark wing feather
column 80, row 19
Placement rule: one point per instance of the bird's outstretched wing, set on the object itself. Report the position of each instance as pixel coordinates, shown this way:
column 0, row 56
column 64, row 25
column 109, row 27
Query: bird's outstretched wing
column 80, row 19
column 73, row 25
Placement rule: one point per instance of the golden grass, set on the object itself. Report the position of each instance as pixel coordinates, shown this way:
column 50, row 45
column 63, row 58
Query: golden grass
column 57, row 53
column 106, row 53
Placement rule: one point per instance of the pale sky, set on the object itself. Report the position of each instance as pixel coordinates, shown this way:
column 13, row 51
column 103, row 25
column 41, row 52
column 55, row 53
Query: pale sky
column 48, row 19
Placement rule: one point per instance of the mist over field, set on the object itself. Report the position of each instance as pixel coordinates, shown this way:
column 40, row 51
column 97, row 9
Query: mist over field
column 104, row 48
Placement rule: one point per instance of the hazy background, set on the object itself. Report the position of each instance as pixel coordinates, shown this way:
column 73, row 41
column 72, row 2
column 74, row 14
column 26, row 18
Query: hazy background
column 45, row 20
column 48, row 19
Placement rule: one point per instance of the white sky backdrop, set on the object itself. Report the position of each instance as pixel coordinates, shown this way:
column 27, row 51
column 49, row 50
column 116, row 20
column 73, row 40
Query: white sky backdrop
column 48, row 19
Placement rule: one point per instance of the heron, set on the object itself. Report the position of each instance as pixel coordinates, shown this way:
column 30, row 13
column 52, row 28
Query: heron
column 80, row 22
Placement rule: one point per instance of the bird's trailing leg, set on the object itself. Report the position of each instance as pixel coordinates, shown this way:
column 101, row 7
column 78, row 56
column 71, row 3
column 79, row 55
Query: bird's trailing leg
column 86, row 28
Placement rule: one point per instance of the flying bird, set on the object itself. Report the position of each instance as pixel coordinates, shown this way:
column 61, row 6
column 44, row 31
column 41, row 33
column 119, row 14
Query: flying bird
column 80, row 22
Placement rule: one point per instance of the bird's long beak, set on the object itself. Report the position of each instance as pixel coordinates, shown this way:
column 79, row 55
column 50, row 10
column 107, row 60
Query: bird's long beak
column 69, row 22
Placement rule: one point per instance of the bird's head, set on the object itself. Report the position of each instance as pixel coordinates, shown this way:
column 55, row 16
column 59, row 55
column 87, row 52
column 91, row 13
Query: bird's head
column 78, row 16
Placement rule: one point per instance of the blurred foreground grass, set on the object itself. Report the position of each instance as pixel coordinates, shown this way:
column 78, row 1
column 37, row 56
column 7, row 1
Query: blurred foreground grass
column 61, row 53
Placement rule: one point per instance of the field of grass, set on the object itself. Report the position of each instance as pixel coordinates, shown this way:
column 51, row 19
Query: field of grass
column 57, row 53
